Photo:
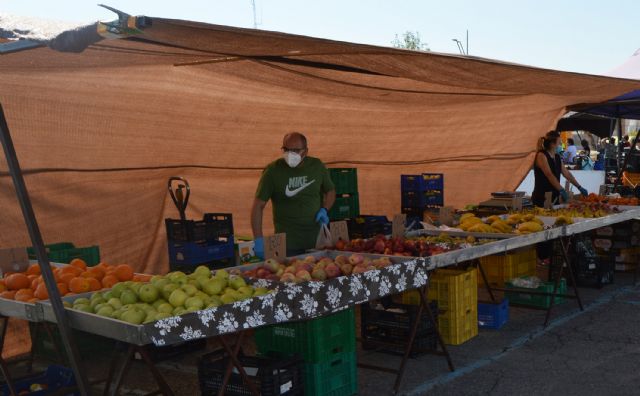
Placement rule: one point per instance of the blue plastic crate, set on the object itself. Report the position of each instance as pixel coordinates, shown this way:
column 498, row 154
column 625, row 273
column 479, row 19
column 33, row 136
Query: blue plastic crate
column 422, row 199
column 493, row 316
column 423, row 182
column 54, row 378
column 194, row 253
column 367, row 226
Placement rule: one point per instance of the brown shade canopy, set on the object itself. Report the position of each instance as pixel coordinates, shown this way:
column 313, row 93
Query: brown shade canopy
column 99, row 132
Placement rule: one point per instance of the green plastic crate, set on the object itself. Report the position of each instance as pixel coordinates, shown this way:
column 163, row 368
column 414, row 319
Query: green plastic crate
column 88, row 344
column 345, row 180
column 534, row 300
column 64, row 252
column 347, row 206
column 335, row 377
column 316, row 340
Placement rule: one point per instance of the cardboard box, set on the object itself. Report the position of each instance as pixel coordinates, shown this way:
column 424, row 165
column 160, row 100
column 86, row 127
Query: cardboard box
column 245, row 253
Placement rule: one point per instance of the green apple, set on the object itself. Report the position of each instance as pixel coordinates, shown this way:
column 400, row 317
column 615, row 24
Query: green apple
column 133, row 316
column 202, row 270
column 160, row 282
column 96, row 295
column 260, row 291
column 151, row 316
column 145, row 307
column 165, row 307
column 191, row 290
column 179, row 311
column 214, row 286
column 168, row 289
column 222, row 274
column 192, row 309
column 116, row 314
column 214, row 301
column 96, row 301
column 117, row 289
column 115, row 303
column 128, row 297
column 81, row 301
column 98, row 307
column 194, row 302
column 105, row 310
column 178, row 277
column 135, row 286
column 163, row 315
column 177, row 298
column 107, row 295
column 159, row 302
column 202, row 295
column 236, row 281
column 83, row 308
column 227, row 298
column 194, row 283
column 148, row 293
column 247, row 290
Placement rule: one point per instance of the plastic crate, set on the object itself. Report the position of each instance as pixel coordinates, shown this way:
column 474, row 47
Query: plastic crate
column 367, row 226
column 272, row 376
column 195, row 253
column 535, row 300
column 346, row 206
column 54, row 378
column 212, row 227
column 423, row 182
column 500, row 268
column 345, row 180
column 335, row 377
column 315, row 340
column 493, row 315
column 88, row 344
column 65, row 252
column 458, row 327
column 389, row 328
column 419, row 199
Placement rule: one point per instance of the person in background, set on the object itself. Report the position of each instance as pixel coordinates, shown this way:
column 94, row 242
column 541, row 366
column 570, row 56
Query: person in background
column 625, row 141
column 571, row 152
column 301, row 192
column 547, row 169
column 585, row 147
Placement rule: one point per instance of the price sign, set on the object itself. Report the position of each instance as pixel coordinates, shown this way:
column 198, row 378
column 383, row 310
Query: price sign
column 339, row 230
column 13, row 260
column 275, row 246
column 398, row 225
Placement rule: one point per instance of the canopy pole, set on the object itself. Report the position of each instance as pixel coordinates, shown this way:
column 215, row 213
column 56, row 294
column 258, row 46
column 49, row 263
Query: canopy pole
column 41, row 254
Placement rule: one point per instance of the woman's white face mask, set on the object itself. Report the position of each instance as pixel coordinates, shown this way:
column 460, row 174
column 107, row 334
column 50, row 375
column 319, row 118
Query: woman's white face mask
column 292, row 159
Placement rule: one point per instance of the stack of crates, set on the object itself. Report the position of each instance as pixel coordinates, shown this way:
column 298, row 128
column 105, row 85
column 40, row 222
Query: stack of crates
column 367, row 226
column 326, row 344
column 620, row 244
column 535, row 300
column 64, row 252
column 501, row 268
column 347, row 205
column 456, row 292
column 201, row 242
column 420, row 194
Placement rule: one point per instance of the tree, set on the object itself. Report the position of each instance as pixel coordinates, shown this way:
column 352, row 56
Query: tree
column 410, row 40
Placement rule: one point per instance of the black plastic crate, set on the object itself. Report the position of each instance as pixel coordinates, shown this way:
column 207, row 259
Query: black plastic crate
column 213, row 226
column 272, row 375
column 367, row 226
column 388, row 328
column 589, row 268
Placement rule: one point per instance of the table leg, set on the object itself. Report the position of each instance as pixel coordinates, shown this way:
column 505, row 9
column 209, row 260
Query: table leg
column 423, row 298
column 233, row 356
column 486, row 281
column 165, row 389
column 407, row 351
column 565, row 255
column 4, row 323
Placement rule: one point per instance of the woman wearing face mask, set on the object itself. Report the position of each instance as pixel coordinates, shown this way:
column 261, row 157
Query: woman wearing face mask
column 547, row 169
column 301, row 193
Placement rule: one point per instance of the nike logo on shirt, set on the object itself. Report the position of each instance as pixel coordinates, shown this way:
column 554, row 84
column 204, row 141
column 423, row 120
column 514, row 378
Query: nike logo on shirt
column 292, row 193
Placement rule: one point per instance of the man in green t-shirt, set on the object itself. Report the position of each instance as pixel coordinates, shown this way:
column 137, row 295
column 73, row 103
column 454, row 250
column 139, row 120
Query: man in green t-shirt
column 301, row 193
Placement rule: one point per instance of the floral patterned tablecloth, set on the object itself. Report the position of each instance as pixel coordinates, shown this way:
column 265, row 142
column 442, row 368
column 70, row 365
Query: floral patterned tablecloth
column 290, row 302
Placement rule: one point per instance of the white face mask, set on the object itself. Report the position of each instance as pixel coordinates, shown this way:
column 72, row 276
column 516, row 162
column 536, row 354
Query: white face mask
column 292, row 159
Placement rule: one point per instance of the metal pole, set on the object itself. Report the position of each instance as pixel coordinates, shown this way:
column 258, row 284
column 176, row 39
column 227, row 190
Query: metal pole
column 41, row 254
column 467, row 42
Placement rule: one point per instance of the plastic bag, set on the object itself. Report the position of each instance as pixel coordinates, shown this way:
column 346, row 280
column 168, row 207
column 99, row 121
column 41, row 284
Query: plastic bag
column 324, row 240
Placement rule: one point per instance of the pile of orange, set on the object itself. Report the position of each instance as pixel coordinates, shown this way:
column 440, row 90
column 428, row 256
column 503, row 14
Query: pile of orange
column 611, row 201
column 74, row 278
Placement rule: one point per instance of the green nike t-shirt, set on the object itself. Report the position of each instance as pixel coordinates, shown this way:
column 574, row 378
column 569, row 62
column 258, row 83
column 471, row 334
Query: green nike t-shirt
column 296, row 196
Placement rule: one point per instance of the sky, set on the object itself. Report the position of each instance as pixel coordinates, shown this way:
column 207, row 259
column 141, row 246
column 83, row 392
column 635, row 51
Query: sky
column 588, row 36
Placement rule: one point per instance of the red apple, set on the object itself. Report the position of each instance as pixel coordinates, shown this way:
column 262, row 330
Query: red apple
column 303, row 275
column 319, row 274
column 332, row 270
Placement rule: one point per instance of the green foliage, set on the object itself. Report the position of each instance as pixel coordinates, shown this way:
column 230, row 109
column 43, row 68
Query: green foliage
column 410, row 40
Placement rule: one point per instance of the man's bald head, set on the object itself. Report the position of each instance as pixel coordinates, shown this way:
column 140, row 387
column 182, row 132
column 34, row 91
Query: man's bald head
column 294, row 140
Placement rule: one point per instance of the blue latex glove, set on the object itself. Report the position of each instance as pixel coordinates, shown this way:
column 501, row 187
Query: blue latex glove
column 322, row 216
column 583, row 191
column 258, row 247
column 564, row 195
